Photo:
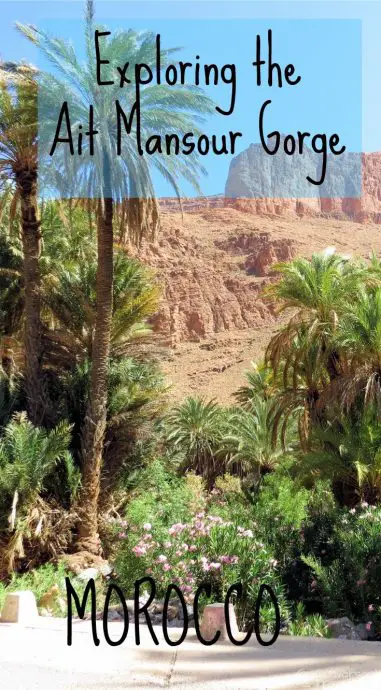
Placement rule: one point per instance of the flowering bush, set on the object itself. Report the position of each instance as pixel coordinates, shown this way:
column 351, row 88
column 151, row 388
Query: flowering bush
column 206, row 549
column 297, row 540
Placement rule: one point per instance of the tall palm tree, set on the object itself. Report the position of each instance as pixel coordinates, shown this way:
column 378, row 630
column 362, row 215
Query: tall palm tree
column 358, row 339
column 112, row 179
column 317, row 290
column 18, row 164
column 305, row 355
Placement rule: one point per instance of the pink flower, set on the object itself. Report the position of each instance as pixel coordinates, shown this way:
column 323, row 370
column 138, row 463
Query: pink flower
column 215, row 566
column 185, row 547
column 204, row 564
column 139, row 550
column 167, row 544
column 369, row 625
column 193, row 547
column 166, row 566
column 179, row 553
column 147, row 526
column 149, row 571
column 360, row 583
column 229, row 560
column 122, row 535
column 371, row 608
column 161, row 558
column 176, row 528
column 247, row 533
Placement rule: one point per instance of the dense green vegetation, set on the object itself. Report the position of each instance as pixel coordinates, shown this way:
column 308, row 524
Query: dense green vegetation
column 282, row 487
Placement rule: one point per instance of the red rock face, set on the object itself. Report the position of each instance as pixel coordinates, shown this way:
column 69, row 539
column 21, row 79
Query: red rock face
column 261, row 251
column 205, row 289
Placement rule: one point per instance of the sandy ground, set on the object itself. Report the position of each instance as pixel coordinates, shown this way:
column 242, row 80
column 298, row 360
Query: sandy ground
column 32, row 658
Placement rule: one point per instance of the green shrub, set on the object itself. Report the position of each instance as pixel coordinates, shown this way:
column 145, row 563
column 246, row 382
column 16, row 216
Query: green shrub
column 280, row 511
column 349, row 583
column 39, row 581
column 308, row 626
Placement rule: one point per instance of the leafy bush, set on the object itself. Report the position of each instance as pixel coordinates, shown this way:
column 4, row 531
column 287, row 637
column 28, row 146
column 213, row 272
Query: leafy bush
column 349, row 583
column 308, row 626
column 281, row 510
column 41, row 580
column 38, row 581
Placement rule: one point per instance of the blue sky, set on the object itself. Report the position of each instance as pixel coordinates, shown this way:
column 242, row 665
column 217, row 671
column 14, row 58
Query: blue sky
column 340, row 90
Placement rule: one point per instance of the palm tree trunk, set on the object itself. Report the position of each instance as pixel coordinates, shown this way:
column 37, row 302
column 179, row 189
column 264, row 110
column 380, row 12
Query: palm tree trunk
column 95, row 420
column 37, row 401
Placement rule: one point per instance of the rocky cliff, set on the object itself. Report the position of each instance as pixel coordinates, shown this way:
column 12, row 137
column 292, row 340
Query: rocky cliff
column 351, row 191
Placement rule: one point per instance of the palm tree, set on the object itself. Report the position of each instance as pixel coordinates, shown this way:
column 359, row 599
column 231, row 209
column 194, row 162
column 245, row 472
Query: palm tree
column 252, row 429
column 347, row 450
column 317, row 290
column 28, row 458
column 18, row 164
column 300, row 380
column 259, row 385
column 112, row 179
column 248, row 442
column 305, row 355
column 358, row 338
column 195, row 430
column 70, row 302
column 134, row 384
